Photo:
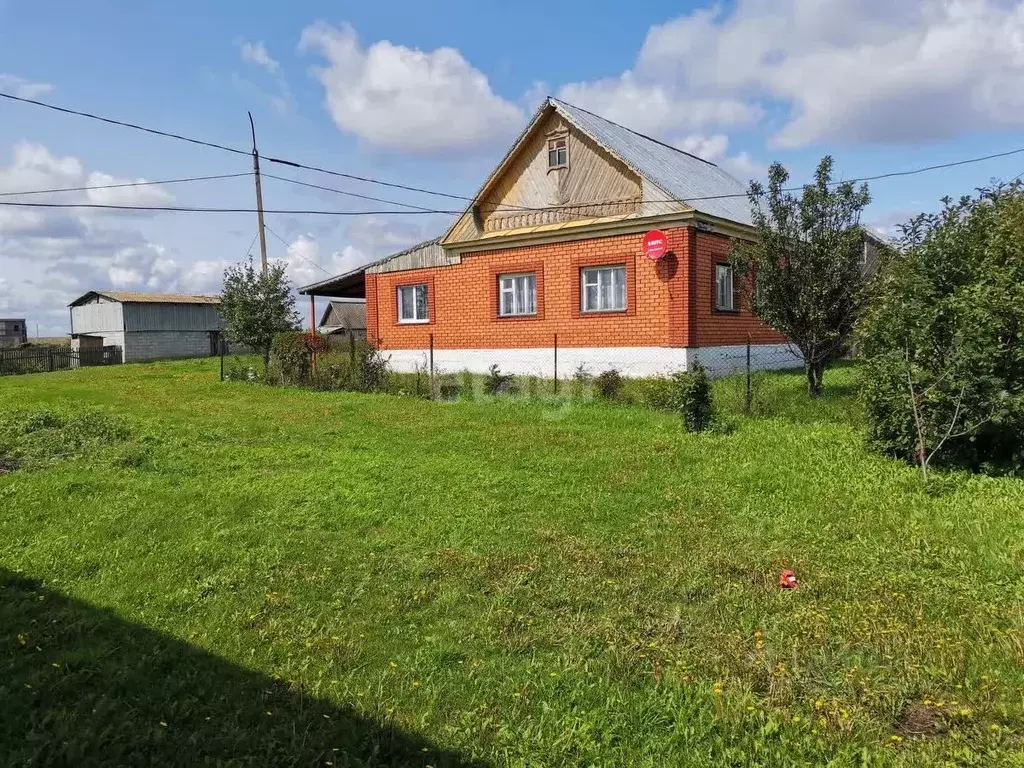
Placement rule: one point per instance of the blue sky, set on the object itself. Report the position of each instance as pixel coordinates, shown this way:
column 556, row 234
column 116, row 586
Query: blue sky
column 431, row 94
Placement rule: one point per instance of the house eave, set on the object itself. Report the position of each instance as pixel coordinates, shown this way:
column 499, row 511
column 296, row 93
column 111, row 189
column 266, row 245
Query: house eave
column 621, row 225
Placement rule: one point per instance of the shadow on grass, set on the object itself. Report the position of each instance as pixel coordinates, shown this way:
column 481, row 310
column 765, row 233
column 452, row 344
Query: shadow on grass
column 80, row 686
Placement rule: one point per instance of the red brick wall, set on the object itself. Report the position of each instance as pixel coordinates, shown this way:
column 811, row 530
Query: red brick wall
column 714, row 327
column 661, row 308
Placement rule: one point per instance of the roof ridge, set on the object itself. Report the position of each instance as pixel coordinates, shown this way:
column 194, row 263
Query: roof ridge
column 555, row 101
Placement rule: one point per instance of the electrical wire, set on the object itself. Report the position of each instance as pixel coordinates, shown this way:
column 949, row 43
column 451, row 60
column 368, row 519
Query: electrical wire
column 292, row 253
column 111, row 121
column 126, row 184
column 248, row 251
column 422, row 190
column 190, row 209
column 344, row 192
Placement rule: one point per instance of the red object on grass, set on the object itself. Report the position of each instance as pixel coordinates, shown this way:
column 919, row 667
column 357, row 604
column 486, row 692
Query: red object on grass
column 787, row 580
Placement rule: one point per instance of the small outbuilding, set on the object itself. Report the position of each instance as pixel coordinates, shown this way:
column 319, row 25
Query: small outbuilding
column 14, row 331
column 147, row 326
column 344, row 317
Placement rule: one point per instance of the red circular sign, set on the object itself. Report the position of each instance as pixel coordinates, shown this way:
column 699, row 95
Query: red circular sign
column 655, row 244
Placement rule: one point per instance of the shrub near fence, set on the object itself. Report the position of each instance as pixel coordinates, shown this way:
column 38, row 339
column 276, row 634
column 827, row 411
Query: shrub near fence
column 46, row 359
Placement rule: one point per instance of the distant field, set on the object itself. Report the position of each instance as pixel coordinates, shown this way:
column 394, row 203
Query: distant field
column 199, row 571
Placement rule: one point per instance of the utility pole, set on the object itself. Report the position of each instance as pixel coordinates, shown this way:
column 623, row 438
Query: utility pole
column 259, row 195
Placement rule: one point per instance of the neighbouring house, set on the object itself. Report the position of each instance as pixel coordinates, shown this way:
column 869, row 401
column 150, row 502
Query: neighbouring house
column 147, row 326
column 344, row 317
column 551, row 251
column 13, row 331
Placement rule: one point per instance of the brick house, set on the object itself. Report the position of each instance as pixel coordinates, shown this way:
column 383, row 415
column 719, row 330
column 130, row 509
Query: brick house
column 551, row 251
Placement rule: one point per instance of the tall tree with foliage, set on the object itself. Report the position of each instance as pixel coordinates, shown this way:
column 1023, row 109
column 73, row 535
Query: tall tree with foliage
column 944, row 339
column 255, row 306
column 805, row 262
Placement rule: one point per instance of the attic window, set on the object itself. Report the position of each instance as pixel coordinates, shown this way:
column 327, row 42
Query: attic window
column 558, row 152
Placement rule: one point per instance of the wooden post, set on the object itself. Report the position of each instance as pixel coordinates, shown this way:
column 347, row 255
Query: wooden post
column 259, row 196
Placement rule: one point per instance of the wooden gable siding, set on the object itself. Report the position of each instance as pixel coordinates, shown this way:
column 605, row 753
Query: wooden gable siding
column 592, row 176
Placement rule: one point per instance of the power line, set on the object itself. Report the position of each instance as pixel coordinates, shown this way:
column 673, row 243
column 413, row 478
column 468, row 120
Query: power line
column 224, row 148
column 288, row 246
column 189, row 209
column 248, row 251
column 126, row 184
column 236, row 151
column 407, row 188
column 422, row 190
column 111, row 121
column 346, row 192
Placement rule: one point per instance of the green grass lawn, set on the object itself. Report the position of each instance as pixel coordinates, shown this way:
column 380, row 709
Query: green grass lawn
column 231, row 573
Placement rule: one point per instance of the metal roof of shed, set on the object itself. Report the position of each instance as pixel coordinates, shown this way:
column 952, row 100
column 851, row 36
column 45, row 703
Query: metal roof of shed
column 129, row 297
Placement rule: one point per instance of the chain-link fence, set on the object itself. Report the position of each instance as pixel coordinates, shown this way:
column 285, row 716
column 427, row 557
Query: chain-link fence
column 760, row 380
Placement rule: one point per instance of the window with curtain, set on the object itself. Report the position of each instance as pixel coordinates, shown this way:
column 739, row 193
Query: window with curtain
column 412, row 304
column 724, row 296
column 517, row 294
column 604, row 289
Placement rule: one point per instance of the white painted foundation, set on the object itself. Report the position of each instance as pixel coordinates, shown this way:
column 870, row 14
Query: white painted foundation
column 630, row 361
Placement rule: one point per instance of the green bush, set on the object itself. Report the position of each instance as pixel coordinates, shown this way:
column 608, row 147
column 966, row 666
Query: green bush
column 360, row 368
column 688, row 393
column 945, row 338
column 292, row 357
column 609, row 385
column 498, row 383
column 240, row 370
column 581, row 380
column 696, row 404
column 467, row 384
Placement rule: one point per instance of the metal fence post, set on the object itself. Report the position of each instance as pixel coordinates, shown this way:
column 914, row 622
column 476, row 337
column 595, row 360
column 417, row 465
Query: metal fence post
column 221, row 344
column 749, row 394
column 431, row 380
column 556, row 363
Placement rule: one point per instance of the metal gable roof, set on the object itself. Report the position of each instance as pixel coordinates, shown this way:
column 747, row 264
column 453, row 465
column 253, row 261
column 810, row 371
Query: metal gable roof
column 682, row 176
column 129, row 297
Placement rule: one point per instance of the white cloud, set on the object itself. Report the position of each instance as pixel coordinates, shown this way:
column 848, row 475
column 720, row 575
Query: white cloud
column 714, row 148
column 22, row 88
column 304, row 256
column 707, row 147
column 50, row 256
column 401, row 98
column 857, row 70
column 148, row 195
column 34, row 167
column 655, row 108
column 256, row 53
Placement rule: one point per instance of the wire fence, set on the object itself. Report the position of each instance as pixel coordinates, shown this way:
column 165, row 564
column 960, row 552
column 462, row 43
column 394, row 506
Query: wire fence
column 759, row 380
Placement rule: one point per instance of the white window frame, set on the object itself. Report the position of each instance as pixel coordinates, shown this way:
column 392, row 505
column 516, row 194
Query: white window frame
column 602, row 274
column 521, row 302
column 415, row 304
column 561, row 153
column 729, row 305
